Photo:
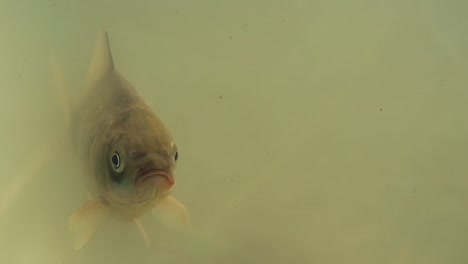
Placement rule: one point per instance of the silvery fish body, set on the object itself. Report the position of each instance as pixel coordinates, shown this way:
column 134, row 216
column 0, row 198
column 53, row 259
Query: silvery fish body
column 127, row 154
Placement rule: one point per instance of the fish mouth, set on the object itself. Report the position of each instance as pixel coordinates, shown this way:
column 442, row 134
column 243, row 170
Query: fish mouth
column 145, row 176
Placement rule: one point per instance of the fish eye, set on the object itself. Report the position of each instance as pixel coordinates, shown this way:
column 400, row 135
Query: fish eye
column 176, row 155
column 116, row 162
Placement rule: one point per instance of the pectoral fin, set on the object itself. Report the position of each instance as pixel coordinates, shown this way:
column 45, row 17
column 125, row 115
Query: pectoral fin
column 142, row 230
column 86, row 220
column 173, row 214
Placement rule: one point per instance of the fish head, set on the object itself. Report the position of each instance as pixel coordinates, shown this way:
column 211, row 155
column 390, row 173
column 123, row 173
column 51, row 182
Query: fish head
column 137, row 160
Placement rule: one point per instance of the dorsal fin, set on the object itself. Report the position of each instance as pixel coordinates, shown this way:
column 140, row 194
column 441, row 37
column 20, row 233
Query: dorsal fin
column 102, row 62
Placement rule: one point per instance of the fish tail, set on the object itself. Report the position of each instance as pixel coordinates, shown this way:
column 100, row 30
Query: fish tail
column 61, row 88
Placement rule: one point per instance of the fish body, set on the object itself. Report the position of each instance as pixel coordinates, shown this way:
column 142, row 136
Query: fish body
column 127, row 154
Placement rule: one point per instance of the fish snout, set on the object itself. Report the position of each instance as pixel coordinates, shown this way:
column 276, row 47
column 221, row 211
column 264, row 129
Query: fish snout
column 151, row 176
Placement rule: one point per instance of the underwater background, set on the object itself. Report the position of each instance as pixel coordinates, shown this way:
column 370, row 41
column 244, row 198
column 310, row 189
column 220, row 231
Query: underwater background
column 308, row 131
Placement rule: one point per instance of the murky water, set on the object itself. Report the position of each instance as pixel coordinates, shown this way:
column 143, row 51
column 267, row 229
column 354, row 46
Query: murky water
column 309, row 131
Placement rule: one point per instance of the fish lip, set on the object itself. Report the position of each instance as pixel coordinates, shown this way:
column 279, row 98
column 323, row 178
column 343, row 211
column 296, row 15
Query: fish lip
column 145, row 174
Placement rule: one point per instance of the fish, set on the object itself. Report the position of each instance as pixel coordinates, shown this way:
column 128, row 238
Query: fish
column 127, row 155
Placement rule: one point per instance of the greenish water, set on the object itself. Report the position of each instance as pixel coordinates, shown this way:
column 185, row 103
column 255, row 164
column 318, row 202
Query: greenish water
column 309, row 131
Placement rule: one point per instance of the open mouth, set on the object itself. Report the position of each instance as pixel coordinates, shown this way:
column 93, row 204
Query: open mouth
column 145, row 175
